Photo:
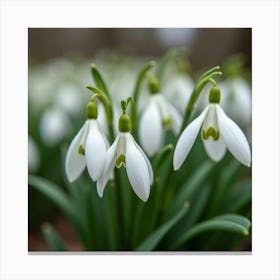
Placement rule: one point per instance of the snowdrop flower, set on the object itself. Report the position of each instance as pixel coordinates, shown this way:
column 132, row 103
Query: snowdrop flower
column 237, row 100
column 54, row 125
column 159, row 114
column 218, row 133
column 88, row 148
column 69, row 99
column 126, row 152
column 33, row 156
column 178, row 90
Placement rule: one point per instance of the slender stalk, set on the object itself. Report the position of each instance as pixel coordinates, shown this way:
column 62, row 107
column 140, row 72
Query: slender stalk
column 201, row 83
column 140, row 78
column 120, row 209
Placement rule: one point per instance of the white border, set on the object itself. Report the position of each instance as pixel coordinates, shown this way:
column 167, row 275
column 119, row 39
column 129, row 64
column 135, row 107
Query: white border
column 262, row 16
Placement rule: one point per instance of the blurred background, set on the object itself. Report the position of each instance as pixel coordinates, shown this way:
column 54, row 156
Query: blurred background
column 207, row 46
column 59, row 69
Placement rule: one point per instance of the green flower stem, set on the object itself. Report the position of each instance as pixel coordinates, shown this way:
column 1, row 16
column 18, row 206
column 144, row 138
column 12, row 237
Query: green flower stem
column 208, row 72
column 167, row 193
column 99, row 80
column 201, row 83
column 120, row 208
column 170, row 56
column 161, row 158
column 107, row 105
column 140, row 78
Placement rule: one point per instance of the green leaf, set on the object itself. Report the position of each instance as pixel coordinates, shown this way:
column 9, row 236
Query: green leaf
column 140, row 78
column 238, row 196
column 192, row 185
column 227, row 178
column 151, row 242
column 98, row 79
column 58, row 197
column 229, row 222
column 162, row 156
column 52, row 238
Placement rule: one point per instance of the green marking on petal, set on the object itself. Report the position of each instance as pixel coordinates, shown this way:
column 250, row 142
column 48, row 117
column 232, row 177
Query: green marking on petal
column 211, row 131
column 120, row 161
column 166, row 122
column 81, row 150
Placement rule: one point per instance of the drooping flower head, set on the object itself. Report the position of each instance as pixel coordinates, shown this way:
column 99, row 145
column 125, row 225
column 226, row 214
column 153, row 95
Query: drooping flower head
column 218, row 133
column 158, row 116
column 126, row 152
column 88, row 148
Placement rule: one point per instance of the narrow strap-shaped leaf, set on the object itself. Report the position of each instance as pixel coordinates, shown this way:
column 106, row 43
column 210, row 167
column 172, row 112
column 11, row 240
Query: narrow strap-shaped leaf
column 187, row 191
column 151, row 242
column 98, row 79
column 52, row 238
column 239, row 195
column 236, row 219
column 162, row 156
column 230, row 222
column 140, row 78
column 55, row 194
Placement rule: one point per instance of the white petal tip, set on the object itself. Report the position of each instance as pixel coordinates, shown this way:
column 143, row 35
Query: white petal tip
column 145, row 200
column 248, row 163
column 145, row 197
column 176, row 166
column 71, row 178
column 100, row 194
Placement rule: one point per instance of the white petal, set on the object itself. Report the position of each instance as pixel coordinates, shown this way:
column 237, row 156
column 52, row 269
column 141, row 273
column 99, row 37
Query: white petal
column 215, row 149
column 150, row 129
column 95, row 149
column 151, row 173
column 75, row 163
column 178, row 90
column 33, row 155
column 176, row 119
column 102, row 118
column 108, row 167
column 233, row 137
column 186, row 140
column 241, row 107
column 137, row 170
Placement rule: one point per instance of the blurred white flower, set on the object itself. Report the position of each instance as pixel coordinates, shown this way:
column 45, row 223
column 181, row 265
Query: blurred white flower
column 218, row 133
column 88, row 148
column 125, row 151
column 69, row 99
column 159, row 114
column 33, row 156
column 236, row 100
column 54, row 125
column 178, row 90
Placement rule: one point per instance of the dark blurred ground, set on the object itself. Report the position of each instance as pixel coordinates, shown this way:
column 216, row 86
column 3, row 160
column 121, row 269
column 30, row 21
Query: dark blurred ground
column 207, row 46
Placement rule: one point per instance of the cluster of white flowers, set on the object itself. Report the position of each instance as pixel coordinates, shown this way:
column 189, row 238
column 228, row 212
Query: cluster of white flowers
column 90, row 147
